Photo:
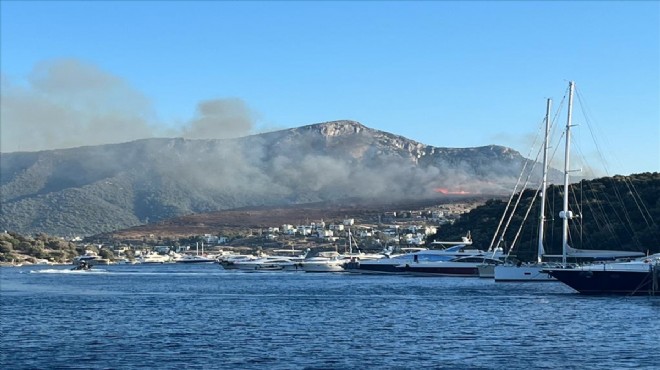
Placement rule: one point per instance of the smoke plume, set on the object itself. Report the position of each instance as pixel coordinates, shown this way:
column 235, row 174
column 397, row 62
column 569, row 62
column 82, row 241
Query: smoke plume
column 220, row 119
column 68, row 103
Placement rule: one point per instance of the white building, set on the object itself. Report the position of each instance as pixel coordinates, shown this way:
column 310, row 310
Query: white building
column 304, row 230
column 339, row 227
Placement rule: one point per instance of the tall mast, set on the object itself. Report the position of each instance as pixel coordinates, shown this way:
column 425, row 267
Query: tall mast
column 544, row 184
column 565, row 213
column 350, row 244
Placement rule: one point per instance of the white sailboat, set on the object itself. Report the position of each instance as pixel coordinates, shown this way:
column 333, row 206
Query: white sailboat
column 196, row 258
column 533, row 272
column 539, row 271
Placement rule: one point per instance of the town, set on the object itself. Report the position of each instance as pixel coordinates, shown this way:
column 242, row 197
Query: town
column 389, row 230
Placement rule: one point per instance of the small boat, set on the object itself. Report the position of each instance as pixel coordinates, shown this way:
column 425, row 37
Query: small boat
column 89, row 258
column 82, row 266
column 637, row 277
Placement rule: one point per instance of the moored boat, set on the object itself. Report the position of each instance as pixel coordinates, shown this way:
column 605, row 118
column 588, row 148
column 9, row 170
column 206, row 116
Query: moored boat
column 195, row 259
column 154, row 258
column 89, row 258
column 324, row 262
column 537, row 270
column 270, row 263
column 462, row 266
column 228, row 262
column 276, row 262
column 533, row 271
column 636, row 277
column 385, row 265
column 396, row 264
column 522, row 272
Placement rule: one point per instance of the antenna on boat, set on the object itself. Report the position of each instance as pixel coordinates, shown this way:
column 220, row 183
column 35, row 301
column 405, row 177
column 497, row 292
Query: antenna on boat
column 565, row 214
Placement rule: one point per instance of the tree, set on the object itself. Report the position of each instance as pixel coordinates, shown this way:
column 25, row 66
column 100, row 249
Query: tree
column 106, row 253
column 6, row 247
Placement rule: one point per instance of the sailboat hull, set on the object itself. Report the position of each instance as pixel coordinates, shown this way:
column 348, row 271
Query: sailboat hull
column 522, row 273
column 607, row 282
column 444, row 269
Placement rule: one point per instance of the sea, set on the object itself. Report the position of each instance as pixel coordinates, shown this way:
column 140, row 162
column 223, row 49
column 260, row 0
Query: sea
column 179, row 316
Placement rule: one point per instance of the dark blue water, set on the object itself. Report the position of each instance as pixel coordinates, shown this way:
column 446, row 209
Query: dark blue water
column 201, row 317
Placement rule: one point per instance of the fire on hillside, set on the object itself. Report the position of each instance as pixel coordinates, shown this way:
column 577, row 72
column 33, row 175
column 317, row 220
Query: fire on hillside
column 451, row 192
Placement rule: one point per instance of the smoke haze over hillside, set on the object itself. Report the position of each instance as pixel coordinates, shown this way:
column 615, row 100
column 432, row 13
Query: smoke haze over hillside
column 102, row 188
column 67, row 103
column 214, row 164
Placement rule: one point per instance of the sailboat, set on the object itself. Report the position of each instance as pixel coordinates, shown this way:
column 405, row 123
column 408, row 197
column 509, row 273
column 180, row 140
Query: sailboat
column 637, row 277
column 538, row 271
column 196, row 258
column 533, row 272
column 640, row 276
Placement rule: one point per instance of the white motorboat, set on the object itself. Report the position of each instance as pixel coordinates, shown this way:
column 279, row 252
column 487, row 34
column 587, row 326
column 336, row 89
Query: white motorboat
column 270, row 263
column 89, row 258
column 396, row 264
column 461, row 266
column 324, row 262
column 386, row 265
column 389, row 264
column 154, row 258
column 228, row 262
column 191, row 258
column 277, row 262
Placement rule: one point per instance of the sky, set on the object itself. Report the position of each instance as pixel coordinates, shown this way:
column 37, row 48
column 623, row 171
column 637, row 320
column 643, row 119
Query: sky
column 443, row 73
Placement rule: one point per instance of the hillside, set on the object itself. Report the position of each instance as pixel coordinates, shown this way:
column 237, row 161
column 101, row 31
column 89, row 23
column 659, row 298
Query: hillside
column 614, row 213
column 95, row 189
column 240, row 220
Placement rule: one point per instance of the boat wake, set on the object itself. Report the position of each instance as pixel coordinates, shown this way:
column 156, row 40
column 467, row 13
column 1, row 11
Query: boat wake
column 68, row 271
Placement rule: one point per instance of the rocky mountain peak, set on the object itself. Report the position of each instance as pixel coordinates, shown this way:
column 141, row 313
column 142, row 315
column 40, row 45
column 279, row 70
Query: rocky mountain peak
column 337, row 128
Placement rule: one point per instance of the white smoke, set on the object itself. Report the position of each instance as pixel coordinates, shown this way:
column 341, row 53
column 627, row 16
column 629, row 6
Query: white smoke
column 68, row 103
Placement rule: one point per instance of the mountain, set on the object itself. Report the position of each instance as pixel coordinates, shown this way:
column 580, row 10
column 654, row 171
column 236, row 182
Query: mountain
column 94, row 189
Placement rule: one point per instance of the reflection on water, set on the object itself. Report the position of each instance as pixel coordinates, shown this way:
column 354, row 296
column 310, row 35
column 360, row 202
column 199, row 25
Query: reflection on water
column 175, row 316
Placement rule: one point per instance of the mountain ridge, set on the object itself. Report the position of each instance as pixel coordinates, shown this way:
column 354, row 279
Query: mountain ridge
column 94, row 189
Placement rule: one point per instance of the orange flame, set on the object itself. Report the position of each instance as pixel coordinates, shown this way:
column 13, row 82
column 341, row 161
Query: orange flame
column 451, row 192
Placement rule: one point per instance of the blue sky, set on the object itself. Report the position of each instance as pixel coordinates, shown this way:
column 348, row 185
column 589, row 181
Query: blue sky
column 448, row 74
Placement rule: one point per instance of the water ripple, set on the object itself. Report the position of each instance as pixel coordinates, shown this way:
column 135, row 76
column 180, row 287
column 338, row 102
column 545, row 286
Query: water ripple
column 199, row 317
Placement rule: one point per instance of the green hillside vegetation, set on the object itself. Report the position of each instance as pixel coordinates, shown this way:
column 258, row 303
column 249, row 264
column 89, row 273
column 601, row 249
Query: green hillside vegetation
column 16, row 248
column 615, row 213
